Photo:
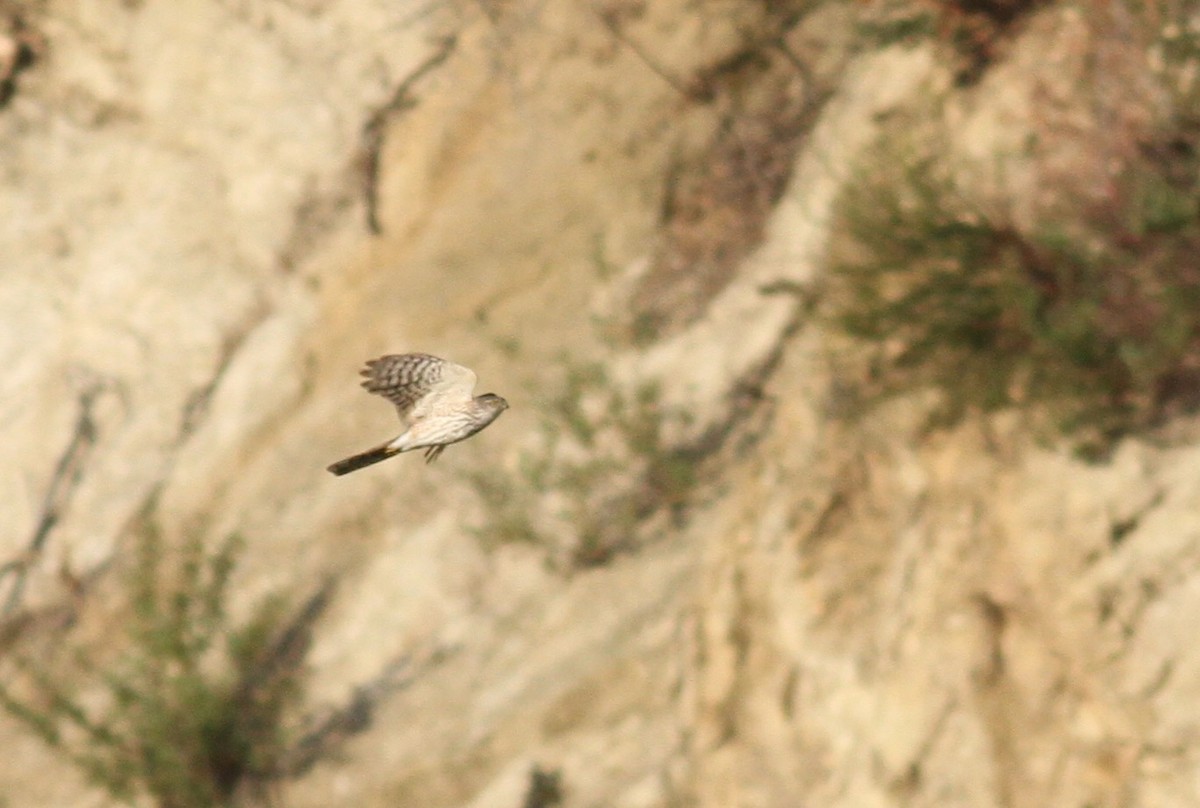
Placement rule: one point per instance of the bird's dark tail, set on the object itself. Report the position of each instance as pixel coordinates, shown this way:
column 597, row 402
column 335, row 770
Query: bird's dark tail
column 367, row 458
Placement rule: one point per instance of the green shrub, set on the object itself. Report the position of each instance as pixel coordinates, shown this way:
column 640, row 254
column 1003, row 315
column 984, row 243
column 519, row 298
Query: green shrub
column 1090, row 319
column 194, row 706
column 619, row 468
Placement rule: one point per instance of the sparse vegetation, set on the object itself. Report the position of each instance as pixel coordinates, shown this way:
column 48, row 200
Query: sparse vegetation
column 717, row 199
column 973, row 33
column 1089, row 318
column 193, row 711
column 604, row 463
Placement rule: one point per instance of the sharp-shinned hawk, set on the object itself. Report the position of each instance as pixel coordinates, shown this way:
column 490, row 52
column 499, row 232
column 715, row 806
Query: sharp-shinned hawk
column 434, row 400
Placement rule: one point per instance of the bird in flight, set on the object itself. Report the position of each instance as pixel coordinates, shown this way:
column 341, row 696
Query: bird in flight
column 434, row 400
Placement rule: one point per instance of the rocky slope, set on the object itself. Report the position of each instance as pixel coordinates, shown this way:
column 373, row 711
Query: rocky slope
column 674, row 573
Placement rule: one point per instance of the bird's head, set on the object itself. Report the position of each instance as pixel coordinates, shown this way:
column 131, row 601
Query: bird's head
column 493, row 402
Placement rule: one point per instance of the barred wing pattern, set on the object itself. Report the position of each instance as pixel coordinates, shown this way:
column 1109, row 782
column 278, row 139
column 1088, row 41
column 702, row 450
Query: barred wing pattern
column 435, row 402
column 419, row 383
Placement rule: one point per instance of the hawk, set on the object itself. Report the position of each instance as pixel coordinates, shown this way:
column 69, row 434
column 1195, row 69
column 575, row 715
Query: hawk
column 434, row 400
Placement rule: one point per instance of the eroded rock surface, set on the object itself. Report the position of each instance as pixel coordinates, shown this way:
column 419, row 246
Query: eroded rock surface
column 830, row 613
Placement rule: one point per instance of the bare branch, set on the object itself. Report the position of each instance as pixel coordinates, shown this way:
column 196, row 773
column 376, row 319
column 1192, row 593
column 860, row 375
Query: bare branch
column 63, row 484
column 373, row 130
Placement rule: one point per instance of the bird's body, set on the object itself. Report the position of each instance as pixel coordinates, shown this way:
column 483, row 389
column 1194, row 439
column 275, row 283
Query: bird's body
column 434, row 400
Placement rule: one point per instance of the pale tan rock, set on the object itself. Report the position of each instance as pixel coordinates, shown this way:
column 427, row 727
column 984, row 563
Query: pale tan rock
column 849, row 614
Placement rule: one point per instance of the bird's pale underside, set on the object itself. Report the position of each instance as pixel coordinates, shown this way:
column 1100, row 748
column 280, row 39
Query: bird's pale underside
column 435, row 402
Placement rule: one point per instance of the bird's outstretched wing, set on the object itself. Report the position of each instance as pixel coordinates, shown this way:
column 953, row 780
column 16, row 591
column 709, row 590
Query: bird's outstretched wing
column 412, row 381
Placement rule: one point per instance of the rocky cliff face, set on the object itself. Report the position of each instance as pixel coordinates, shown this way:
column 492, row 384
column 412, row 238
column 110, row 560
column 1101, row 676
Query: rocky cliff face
column 675, row 572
